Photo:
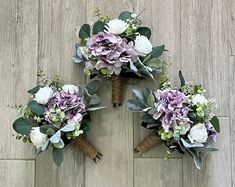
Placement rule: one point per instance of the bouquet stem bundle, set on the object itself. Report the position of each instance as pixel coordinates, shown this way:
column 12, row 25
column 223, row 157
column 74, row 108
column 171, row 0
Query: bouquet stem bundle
column 88, row 149
column 116, row 90
column 149, row 142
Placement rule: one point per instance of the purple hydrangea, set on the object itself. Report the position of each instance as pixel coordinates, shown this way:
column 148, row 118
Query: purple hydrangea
column 111, row 51
column 211, row 134
column 71, row 104
column 171, row 108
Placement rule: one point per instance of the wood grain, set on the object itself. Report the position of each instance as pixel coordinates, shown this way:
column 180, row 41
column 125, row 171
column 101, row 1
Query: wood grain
column 17, row 173
column 164, row 31
column 18, row 61
column 112, row 128
column 58, row 21
column 231, row 27
column 152, row 172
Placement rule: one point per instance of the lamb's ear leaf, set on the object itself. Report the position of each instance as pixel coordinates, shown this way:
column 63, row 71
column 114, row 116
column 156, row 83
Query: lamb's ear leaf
column 22, row 126
column 84, row 31
column 182, row 80
column 197, row 157
column 135, row 105
column 58, row 155
column 93, row 86
column 215, row 122
column 138, row 93
column 125, row 15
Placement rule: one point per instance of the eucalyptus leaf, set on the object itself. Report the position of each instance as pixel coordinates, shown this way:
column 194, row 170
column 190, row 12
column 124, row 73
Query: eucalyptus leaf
column 84, row 31
column 93, row 86
column 34, row 90
column 215, row 122
column 150, row 100
column 136, row 105
column 47, row 129
column 144, row 31
column 99, row 26
column 58, row 156
column 125, row 15
column 156, row 52
column 22, row 126
column 36, row 108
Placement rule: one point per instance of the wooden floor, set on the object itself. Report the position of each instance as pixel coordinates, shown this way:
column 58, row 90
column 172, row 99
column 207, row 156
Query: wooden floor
column 40, row 34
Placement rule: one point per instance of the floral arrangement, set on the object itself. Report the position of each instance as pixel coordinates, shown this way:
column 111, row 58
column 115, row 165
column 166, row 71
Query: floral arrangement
column 182, row 118
column 58, row 115
column 118, row 47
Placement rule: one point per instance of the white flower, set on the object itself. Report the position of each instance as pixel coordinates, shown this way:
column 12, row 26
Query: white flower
column 37, row 138
column 142, row 45
column 199, row 99
column 116, row 26
column 198, row 134
column 43, row 95
column 70, row 88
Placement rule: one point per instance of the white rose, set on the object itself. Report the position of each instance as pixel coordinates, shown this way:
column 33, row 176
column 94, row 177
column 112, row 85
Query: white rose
column 116, row 26
column 70, row 88
column 43, row 95
column 199, row 99
column 198, row 134
column 37, row 138
column 142, row 45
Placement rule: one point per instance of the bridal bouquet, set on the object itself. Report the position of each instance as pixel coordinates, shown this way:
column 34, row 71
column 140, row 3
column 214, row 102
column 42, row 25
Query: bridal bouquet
column 116, row 48
column 58, row 115
column 182, row 118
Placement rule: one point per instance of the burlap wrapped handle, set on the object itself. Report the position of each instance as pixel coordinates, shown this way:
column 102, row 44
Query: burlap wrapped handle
column 117, row 90
column 149, row 142
column 88, row 149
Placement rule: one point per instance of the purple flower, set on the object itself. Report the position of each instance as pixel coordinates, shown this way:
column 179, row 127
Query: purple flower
column 211, row 134
column 112, row 51
column 70, row 104
column 171, row 108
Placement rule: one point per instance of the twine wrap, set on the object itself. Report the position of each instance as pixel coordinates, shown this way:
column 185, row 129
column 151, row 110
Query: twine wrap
column 116, row 90
column 88, row 149
column 149, row 142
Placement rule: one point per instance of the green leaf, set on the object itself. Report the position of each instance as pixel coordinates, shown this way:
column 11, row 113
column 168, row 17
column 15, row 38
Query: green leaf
column 48, row 129
column 59, row 145
column 154, row 63
column 22, row 126
column 94, row 101
column 125, row 15
column 138, row 93
column 98, row 27
column 135, row 105
column 34, row 90
column 144, row 31
column 58, row 156
column 215, row 122
column 182, row 81
column 146, row 118
column 36, row 108
column 157, row 51
column 85, row 31
column 93, row 86
column 150, row 100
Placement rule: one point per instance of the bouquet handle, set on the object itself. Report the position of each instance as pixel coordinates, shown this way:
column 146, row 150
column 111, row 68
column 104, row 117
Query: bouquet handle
column 149, row 142
column 117, row 90
column 87, row 148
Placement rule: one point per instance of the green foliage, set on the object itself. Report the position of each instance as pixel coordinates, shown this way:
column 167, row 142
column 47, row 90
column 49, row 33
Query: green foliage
column 85, row 31
column 36, row 108
column 150, row 100
column 93, row 86
column 22, row 126
column 48, row 129
column 155, row 53
column 154, row 63
column 144, row 31
column 215, row 122
column 99, row 26
column 58, row 156
column 135, row 105
column 182, row 81
column 34, row 90
column 125, row 15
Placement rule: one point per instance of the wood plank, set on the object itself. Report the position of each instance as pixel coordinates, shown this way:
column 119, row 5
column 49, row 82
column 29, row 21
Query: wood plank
column 216, row 169
column 17, row 173
column 18, row 62
column 112, row 128
column 58, row 21
column 232, row 112
column 204, row 47
column 163, row 17
column 231, row 27
column 152, row 172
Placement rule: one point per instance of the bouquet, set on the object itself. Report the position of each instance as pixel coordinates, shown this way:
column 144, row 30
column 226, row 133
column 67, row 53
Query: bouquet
column 58, row 115
column 116, row 48
column 182, row 118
